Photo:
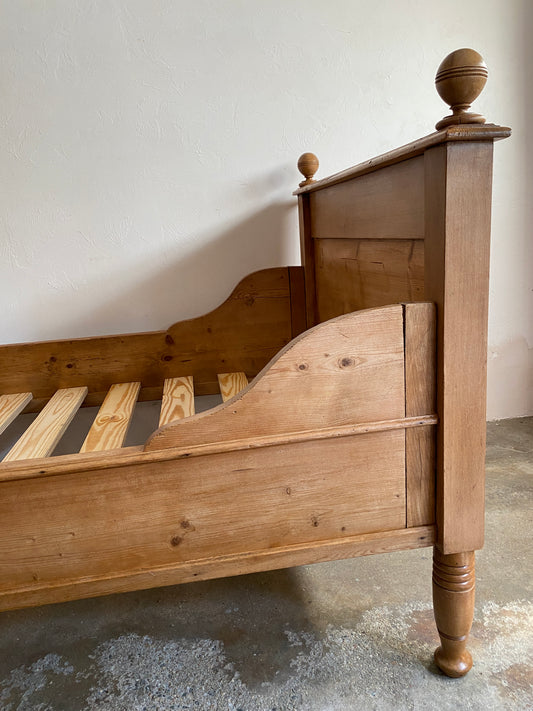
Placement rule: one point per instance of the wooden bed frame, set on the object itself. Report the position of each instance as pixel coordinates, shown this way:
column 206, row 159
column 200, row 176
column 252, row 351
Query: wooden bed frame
column 362, row 429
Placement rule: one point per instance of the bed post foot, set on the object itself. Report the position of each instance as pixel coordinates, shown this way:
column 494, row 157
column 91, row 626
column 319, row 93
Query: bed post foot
column 453, row 604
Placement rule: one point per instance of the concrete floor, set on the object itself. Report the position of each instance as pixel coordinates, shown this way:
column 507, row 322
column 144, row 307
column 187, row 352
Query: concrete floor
column 355, row 634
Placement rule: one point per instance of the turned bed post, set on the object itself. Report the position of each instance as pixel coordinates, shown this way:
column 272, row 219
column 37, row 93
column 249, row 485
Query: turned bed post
column 458, row 186
column 308, row 166
column 422, row 214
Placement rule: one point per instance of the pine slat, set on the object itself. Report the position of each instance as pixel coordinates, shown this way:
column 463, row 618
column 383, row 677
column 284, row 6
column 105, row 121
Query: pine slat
column 178, row 399
column 42, row 436
column 112, row 422
column 231, row 384
column 11, row 406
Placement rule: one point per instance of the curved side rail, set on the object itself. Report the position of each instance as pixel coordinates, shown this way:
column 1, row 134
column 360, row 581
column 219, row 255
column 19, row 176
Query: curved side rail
column 345, row 371
column 257, row 319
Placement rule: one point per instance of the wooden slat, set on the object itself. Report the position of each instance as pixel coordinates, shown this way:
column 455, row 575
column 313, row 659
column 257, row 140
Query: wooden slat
column 231, row 384
column 42, row 436
column 178, row 399
column 420, row 399
column 11, row 406
column 112, row 422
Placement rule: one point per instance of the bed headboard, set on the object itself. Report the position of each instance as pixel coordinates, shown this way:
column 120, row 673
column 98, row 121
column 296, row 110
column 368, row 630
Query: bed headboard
column 414, row 225
column 375, row 234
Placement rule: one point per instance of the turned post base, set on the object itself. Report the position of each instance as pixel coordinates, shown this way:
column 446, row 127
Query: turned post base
column 453, row 604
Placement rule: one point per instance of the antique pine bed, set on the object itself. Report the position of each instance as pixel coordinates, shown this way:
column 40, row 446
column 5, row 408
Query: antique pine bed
column 362, row 429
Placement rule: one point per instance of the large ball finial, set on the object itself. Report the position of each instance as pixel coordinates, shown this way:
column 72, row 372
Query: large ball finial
column 307, row 165
column 460, row 80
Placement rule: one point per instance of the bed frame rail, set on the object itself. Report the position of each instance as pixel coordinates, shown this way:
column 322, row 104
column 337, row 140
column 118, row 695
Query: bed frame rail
column 313, row 460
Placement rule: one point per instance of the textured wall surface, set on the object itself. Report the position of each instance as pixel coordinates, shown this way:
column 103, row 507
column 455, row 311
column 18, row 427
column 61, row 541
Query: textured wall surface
column 149, row 148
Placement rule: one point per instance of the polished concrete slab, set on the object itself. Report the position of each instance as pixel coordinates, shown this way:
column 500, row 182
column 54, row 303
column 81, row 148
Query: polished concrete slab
column 355, row 634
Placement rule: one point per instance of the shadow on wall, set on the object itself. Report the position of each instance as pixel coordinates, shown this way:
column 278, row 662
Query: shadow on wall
column 189, row 286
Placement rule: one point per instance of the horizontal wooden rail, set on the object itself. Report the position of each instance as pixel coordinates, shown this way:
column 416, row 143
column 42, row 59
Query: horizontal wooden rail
column 470, row 132
column 133, row 455
column 222, row 566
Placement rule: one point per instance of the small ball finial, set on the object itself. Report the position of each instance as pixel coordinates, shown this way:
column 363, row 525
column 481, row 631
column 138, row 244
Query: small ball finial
column 460, row 80
column 307, row 165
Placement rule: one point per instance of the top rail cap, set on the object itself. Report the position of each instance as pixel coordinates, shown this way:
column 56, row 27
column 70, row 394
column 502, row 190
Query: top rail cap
column 460, row 80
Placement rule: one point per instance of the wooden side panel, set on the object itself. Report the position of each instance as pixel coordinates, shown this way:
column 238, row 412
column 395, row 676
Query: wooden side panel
column 386, row 204
column 420, row 399
column 360, row 273
column 243, row 334
column 458, row 206
column 346, row 371
column 106, row 523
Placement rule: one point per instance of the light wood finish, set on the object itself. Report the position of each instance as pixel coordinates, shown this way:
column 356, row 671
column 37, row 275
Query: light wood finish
column 451, row 134
column 42, row 436
column 242, row 334
column 453, row 603
column 328, row 451
column 345, row 371
column 308, row 166
column 458, row 207
column 386, row 204
column 11, row 406
column 129, row 456
column 221, row 566
column 231, row 384
column 121, row 520
column 178, row 400
column 359, row 274
column 420, row 398
column 112, row 422
column 460, row 79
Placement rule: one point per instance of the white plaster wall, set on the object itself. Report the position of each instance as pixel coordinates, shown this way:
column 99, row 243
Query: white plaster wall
column 148, row 149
